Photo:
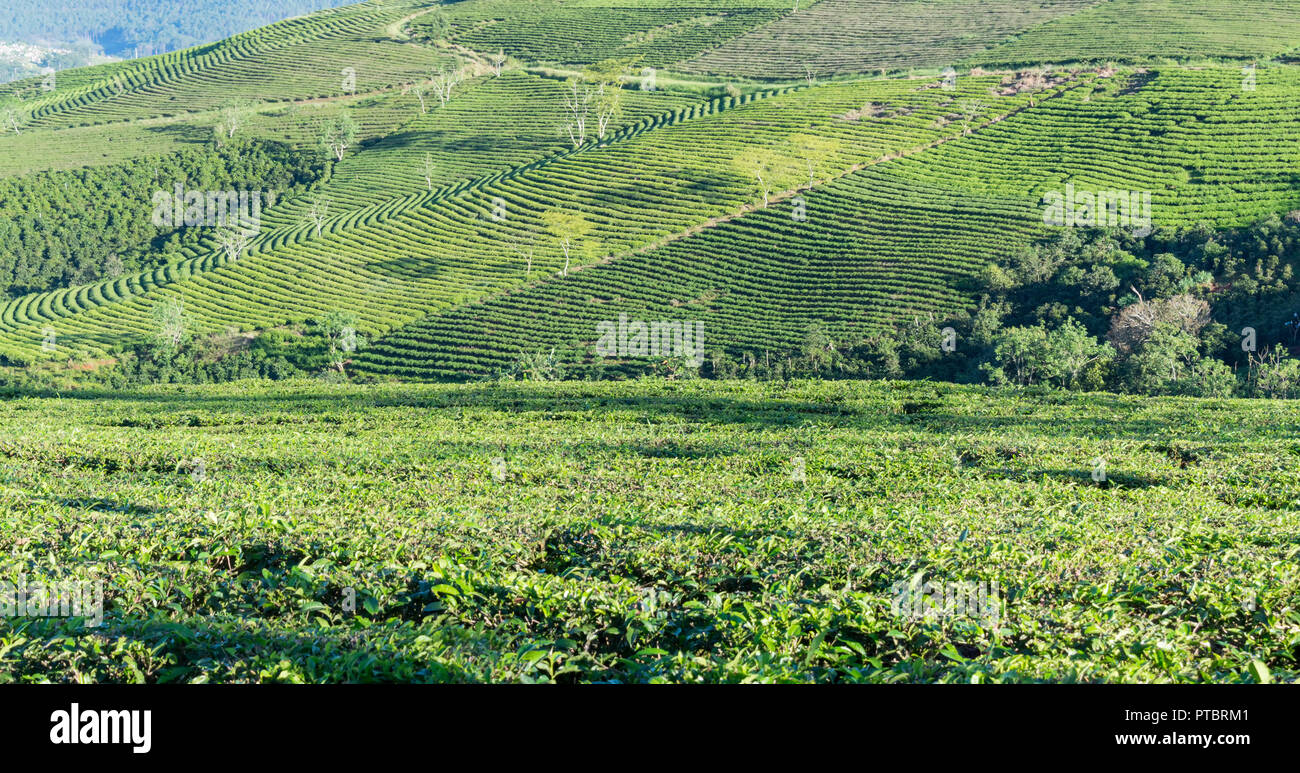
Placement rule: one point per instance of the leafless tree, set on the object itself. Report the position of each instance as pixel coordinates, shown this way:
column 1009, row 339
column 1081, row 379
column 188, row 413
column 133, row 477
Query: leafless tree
column 524, row 245
column 1133, row 325
column 443, row 83
column 970, row 108
column 429, row 170
column 418, row 90
column 319, row 212
column 232, row 242
column 578, row 98
column 9, row 118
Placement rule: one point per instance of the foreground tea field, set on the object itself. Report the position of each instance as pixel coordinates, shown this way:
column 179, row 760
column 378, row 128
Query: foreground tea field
column 650, row 530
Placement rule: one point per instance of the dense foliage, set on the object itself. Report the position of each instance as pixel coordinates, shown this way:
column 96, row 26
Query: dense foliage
column 59, row 229
column 1187, row 311
column 650, row 531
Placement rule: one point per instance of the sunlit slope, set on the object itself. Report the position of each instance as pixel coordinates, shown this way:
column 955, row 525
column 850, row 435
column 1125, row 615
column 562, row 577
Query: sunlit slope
column 404, row 258
column 291, row 60
column 834, row 37
column 872, row 249
column 1141, row 30
column 896, row 240
column 375, row 184
column 492, row 125
column 1206, row 150
column 655, row 33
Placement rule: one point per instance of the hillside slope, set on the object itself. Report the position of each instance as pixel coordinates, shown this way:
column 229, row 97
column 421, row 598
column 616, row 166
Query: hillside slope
column 443, row 247
column 852, row 204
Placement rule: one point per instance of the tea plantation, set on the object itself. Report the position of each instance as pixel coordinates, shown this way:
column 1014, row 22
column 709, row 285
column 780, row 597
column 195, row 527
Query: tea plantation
column 458, row 196
column 651, row 531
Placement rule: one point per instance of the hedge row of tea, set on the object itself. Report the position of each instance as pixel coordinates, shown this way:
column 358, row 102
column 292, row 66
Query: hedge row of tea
column 1206, row 150
column 490, row 126
column 652, row 531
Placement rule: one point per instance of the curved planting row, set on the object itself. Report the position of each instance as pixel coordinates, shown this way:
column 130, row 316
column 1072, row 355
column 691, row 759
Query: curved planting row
column 1205, row 150
column 490, row 126
column 286, row 225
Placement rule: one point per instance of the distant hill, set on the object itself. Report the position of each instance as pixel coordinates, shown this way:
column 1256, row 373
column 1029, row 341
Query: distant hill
column 75, row 32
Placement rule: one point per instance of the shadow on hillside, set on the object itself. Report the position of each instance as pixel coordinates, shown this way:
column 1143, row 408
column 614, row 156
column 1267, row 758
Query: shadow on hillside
column 441, row 142
column 846, row 408
column 180, row 132
column 1117, row 480
column 197, row 645
column 408, row 268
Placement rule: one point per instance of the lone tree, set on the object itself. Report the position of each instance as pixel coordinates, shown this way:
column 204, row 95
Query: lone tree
column 171, row 326
column 570, row 229
column 443, row 82
column 609, row 106
column 607, row 78
column 969, row 108
column 340, row 331
column 595, row 96
column 435, row 25
column 1136, row 322
column 319, row 211
column 767, row 166
column 429, row 170
column 232, row 241
column 418, row 90
column 579, row 99
column 524, row 245
column 234, row 114
column 499, row 62
column 10, row 117
column 338, row 135
column 816, row 152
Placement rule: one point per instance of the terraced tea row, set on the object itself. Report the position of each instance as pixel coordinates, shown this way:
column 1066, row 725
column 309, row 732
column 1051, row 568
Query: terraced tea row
column 1206, row 150
column 666, row 181
column 1142, row 30
column 656, row 32
column 872, row 249
column 834, row 37
column 490, row 126
column 285, row 223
